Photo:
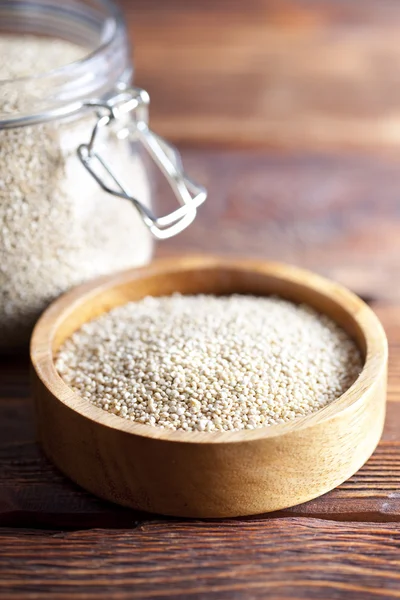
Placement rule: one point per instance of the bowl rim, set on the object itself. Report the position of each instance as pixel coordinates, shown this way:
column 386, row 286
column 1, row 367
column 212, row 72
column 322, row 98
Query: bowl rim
column 42, row 358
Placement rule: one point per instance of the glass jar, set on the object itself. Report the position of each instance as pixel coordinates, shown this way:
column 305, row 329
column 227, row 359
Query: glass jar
column 75, row 198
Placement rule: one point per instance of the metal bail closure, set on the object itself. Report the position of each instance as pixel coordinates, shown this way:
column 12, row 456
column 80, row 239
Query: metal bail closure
column 188, row 193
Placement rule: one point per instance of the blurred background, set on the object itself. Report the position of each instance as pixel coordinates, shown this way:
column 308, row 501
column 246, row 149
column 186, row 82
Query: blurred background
column 289, row 111
column 312, row 73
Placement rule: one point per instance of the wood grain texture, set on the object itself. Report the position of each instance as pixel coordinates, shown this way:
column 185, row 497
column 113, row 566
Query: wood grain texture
column 278, row 559
column 287, row 73
column 196, row 474
column 335, row 214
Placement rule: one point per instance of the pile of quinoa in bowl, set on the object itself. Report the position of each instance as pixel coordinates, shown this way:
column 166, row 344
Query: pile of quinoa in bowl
column 210, row 363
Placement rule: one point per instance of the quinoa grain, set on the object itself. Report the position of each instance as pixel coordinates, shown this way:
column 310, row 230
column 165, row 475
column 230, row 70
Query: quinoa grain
column 207, row 363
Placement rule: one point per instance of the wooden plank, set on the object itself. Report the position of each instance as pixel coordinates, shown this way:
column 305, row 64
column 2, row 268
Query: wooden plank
column 336, row 214
column 293, row 73
column 34, row 493
column 256, row 558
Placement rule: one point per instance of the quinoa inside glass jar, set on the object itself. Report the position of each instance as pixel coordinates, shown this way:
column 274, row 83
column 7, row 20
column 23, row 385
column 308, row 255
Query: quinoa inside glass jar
column 75, row 198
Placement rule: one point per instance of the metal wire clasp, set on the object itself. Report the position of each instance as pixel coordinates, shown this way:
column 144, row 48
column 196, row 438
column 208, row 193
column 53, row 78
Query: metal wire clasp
column 188, row 193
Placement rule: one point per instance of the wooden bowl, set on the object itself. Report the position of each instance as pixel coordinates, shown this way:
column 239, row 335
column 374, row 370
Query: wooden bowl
column 204, row 474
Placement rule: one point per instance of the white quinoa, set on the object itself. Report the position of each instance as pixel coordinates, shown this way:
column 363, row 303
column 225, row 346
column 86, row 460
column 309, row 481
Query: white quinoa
column 30, row 55
column 57, row 228
column 207, row 363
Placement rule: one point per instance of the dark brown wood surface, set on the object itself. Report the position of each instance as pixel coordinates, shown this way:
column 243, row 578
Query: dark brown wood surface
column 280, row 73
column 278, row 558
column 289, row 113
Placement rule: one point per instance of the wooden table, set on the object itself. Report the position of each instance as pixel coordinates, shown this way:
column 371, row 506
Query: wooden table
column 289, row 111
